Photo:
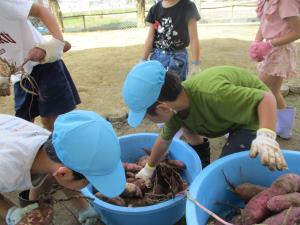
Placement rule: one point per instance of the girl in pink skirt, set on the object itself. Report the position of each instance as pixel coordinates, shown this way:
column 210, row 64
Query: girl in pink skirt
column 276, row 53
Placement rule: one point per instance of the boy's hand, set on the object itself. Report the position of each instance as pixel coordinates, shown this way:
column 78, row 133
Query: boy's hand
column 4, row 85
column 14, row 214
column 266, row 146
column 88, row 216
column 146, row 174
column 54, row 50
column 259, row 49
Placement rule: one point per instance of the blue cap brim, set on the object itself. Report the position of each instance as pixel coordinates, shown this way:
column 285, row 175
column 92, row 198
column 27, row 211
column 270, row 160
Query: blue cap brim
column 135, row 118
column 110, row 185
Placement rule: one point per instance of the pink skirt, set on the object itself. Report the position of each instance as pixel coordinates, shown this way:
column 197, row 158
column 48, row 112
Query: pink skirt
column 280, row 61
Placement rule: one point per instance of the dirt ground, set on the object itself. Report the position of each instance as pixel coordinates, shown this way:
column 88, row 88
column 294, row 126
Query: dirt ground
column 99, row 62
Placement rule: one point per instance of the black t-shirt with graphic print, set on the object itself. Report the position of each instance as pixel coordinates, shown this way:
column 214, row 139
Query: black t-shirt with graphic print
column 171, row 24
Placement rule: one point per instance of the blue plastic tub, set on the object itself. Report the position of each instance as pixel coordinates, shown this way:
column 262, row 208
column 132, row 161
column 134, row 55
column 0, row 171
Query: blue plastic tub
column 210, row 186
column 165, row 213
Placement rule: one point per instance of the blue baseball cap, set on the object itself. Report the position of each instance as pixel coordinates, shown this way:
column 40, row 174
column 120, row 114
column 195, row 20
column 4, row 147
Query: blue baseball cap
column 86, row 143
column 142, row 88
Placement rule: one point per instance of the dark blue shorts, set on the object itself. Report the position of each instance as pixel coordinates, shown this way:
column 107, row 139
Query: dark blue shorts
column 173, row 60
column 238, row 140
column 57, row 92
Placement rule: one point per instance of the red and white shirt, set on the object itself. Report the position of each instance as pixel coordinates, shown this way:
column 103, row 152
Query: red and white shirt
column 17, row 34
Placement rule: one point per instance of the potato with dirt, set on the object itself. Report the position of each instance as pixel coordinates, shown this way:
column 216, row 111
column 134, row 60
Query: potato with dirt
column 281, row 202
column 289, row 216
column 246, row 191
column 256, row 209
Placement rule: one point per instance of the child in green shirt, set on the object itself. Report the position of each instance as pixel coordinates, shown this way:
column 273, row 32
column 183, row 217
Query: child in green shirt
column 217, row 101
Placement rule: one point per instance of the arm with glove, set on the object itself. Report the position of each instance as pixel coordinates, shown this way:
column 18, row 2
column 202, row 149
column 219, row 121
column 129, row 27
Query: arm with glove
column 15, row 214
column 88, row 216
column 265, row 144
column 85, row 211
column 159, row 149
column 254, row 53
column 54, row 47
column 259, row 48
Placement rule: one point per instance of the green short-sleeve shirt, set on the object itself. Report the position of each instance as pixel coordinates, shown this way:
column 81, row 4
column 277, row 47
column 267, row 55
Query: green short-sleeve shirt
column 221, row 99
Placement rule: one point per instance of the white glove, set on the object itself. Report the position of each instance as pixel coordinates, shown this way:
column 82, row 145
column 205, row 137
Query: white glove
column 54, row 50
column 146, row 174
column 88, row 216
column 266, row 146
column 4, row 85
column 14, row 214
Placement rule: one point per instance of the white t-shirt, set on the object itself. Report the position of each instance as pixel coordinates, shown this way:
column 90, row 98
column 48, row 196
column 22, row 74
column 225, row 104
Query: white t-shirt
column 20, row 141
column 17, row 34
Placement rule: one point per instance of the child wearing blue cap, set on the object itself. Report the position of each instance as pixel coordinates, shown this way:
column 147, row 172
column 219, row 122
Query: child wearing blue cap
column 82, row 148
column 217, row 101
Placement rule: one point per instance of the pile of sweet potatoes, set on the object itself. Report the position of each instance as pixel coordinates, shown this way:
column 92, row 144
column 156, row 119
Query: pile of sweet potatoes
column 278, row 204
column 166, row 182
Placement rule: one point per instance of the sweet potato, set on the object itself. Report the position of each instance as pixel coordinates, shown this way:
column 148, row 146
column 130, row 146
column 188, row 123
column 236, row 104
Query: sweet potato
column 130, row 174
column 246, row 191
column 131, row 167
column 141, row 183
column 281, row 202
column 175, row 163
column 132, row 190
column 256, row 209
column 289, row 216
column 142, row 161
column 115, row 201
column 288, row 183
column 130, row 179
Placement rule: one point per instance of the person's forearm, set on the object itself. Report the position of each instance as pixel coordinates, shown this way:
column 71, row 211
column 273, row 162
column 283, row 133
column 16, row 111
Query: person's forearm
column 194, row 41
column 158, row 150
column 147, row 49
column 195, row 50
column 267, row 111
column 48, row 19
column 294, row 24
column 148, row 43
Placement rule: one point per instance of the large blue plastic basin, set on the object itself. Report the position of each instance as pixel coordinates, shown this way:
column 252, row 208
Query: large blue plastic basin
column 210, row 186
column 166, row 213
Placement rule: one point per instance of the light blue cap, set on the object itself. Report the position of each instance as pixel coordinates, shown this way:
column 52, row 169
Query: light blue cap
column 142, row 88
column 86, row 143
